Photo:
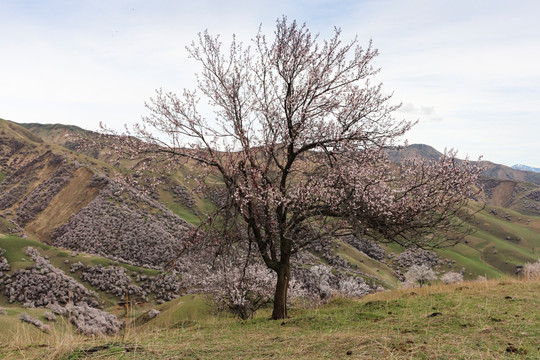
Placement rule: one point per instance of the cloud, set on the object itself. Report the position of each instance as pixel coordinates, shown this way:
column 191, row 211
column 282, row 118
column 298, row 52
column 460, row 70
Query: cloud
column 424, row 113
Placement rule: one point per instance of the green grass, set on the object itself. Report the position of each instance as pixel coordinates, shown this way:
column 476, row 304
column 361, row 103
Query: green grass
column 179, row 313
column 3, row 175
column 369, row 266
column 500, row 228
column 466, row 321
column 15, row 250
column 489, row 244
column 5, row 226
column 470, row 259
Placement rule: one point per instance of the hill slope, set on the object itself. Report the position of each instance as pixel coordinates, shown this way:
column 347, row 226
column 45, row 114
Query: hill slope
column 90, row 212
column 61, row 198
column 71, row 200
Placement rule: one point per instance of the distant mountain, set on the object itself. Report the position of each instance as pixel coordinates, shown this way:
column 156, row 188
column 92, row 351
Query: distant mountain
column 503, row 186
column 525, row 168
column 417, row 151
column 492, row 170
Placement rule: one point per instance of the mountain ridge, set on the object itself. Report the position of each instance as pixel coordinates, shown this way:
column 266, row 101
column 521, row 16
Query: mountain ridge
column 525, row 168
column 65, row 135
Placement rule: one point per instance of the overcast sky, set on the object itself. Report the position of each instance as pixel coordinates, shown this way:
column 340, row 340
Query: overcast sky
column 468, row 70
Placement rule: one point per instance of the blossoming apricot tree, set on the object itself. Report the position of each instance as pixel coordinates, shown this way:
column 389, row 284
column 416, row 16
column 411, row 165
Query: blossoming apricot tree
column 298, row 141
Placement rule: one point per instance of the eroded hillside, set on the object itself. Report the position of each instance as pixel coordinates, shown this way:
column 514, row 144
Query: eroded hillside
column 62, row 198
column 80, row 207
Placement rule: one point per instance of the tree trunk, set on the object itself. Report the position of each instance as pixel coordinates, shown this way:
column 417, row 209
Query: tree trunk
column 280, row 296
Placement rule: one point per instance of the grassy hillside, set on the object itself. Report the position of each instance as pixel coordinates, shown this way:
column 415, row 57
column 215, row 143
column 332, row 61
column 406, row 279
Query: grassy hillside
column 488, row 320
column 502, row 239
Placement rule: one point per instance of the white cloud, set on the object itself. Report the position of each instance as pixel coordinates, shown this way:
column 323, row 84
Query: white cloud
column 427, row 113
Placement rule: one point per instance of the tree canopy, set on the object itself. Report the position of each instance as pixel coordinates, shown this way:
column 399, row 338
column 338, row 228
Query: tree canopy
column 298, row 140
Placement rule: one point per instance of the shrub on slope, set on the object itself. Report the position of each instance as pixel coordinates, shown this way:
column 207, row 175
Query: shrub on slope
column 42, row 284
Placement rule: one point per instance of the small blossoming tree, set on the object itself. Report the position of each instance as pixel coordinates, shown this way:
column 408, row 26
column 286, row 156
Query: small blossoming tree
column 419, row 274
column 298, row 142
column 452, row 278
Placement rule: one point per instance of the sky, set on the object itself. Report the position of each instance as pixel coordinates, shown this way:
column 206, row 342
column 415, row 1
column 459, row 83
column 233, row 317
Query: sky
column 467, row 70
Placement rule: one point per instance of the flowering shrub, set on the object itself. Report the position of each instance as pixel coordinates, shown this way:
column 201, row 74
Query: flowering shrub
column 42, row 284
column 241, row 290
column 4, row 265
column 165, row 287
column 419, row 274
column 114, row 280
column 76, row 267
column 111, row 279
column 532, row 270
column 34, row 321
column 49, row 316
column 326, row 250
column 153, row 313
column 371, row 249
column 319, row 284
column 412, row 257
column 353, row 287
column 124, row 225
column 452, row 278
column 183, row 196
column 88, row 320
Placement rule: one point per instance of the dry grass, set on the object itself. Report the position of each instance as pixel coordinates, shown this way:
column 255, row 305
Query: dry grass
column 472, row 320
column 62, row 205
